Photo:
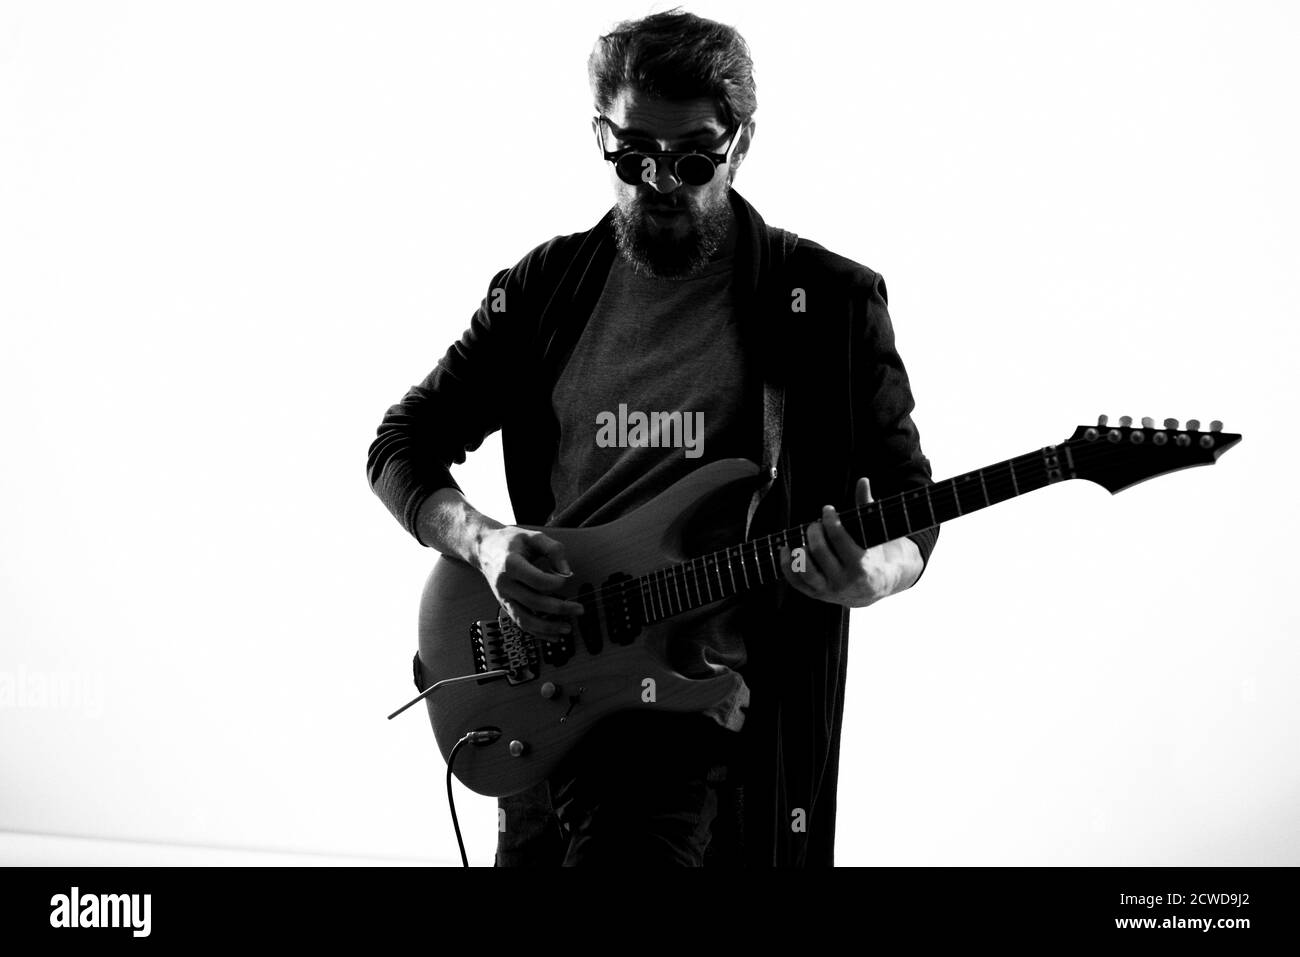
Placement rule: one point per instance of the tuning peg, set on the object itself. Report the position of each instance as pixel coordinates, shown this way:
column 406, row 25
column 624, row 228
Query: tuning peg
column 1216, row 426
column 1193, row 425
column 1148, row 422
column 1101, row 420
column 1171, row 425
column 1125, row 421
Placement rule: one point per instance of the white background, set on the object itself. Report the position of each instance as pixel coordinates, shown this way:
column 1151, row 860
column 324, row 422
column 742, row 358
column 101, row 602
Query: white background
column 232, row 234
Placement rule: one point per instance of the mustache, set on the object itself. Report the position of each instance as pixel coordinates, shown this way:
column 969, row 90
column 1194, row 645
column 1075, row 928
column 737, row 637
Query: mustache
column 661, row 205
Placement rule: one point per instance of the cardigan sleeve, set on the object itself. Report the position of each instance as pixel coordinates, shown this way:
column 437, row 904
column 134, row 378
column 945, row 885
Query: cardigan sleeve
column 886, row 441
column 454, row 408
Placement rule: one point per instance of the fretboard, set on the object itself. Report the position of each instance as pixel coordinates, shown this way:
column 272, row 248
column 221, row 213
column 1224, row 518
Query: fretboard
column 723, row 574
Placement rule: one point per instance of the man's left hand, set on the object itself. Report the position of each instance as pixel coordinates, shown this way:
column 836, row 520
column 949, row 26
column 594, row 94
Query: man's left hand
column 837, row 570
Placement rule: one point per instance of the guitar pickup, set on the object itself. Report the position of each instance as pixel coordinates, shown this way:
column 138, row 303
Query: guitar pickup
column 622, row 608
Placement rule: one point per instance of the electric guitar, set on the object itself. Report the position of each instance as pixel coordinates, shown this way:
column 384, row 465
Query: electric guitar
column 530, row 700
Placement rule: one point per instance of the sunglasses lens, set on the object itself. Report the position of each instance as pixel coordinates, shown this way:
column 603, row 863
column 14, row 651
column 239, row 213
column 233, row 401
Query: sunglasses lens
column 631, row 167
column 695, row 170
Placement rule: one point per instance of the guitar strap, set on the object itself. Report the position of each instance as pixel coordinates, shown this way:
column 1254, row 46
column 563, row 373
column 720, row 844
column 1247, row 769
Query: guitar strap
column 774, row 375
column 773, row 420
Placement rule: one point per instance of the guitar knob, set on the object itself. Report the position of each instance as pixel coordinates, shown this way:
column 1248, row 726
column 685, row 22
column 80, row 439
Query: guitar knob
column 1102, row 420
column 1193, row 425
column 1171, row 425
column 549, row 689
column 517, row 748
column 1216, row 426
column 1125, row 421
column 1148, row 422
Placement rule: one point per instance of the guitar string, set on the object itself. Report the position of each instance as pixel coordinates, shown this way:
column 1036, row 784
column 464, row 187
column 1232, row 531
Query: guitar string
column 675, row 575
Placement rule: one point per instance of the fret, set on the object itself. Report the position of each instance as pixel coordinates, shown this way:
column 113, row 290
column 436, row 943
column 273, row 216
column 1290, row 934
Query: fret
column 758, row 567
column 730, row 570
column 884, row 529
column 907, row 519
column 956, row 500
column 1000, row 492
column 972, row 506
column 776, row 571
column 861, row 528
column 717, row 569
column 1011, row 467
column 673, row 576
column 984, row 488
column 930, row 502
column 707, row 587
column 740, row 556
column 938, row 493
column 645, row 609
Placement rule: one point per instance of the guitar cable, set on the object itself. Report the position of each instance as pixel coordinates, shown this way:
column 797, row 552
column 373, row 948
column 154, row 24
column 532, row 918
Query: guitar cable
column 477, row 738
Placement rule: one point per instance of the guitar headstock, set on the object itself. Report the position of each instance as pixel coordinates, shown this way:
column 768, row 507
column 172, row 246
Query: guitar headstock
column 1119, row 456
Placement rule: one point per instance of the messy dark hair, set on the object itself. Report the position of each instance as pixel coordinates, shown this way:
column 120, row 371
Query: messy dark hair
column 675, row 56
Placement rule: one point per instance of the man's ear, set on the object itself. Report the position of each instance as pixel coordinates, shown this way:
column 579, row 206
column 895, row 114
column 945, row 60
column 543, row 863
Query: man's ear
column 744, row 138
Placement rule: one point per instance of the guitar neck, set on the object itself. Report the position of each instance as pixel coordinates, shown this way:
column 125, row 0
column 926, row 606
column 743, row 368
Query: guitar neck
column 1114, row 458
column 752, row 564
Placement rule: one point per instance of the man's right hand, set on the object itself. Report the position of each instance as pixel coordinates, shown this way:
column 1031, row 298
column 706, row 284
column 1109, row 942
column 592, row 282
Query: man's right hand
column 522, row 567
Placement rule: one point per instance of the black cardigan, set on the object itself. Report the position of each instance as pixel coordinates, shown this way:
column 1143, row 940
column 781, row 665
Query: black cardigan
column 836, row 404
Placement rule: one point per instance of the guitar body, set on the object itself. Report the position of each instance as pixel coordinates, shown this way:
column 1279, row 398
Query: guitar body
column 548, row 706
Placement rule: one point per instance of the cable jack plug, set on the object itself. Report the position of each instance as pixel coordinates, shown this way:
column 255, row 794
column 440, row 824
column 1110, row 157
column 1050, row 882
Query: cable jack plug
column 482, row 736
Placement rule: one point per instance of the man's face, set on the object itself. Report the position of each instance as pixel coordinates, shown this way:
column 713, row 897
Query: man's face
column 664, row 227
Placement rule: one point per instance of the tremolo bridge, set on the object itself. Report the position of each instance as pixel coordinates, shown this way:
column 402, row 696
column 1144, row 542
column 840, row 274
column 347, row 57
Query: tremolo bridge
column 501, row 645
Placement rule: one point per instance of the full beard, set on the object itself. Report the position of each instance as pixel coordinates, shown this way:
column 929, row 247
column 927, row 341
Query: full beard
column 658, row 252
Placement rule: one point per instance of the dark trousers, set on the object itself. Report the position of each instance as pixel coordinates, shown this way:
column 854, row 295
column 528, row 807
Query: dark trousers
column 644, row 788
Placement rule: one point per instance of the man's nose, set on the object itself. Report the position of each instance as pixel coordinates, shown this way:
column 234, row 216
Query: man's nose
column 664, row 181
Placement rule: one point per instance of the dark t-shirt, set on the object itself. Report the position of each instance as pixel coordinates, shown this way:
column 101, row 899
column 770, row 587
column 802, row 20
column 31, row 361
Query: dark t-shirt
column 653, row 390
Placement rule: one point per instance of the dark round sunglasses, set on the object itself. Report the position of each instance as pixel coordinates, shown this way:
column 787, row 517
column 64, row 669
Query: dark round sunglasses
column 635, row 166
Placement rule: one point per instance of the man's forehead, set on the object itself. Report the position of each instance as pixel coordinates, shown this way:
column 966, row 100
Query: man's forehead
column 634, row 112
